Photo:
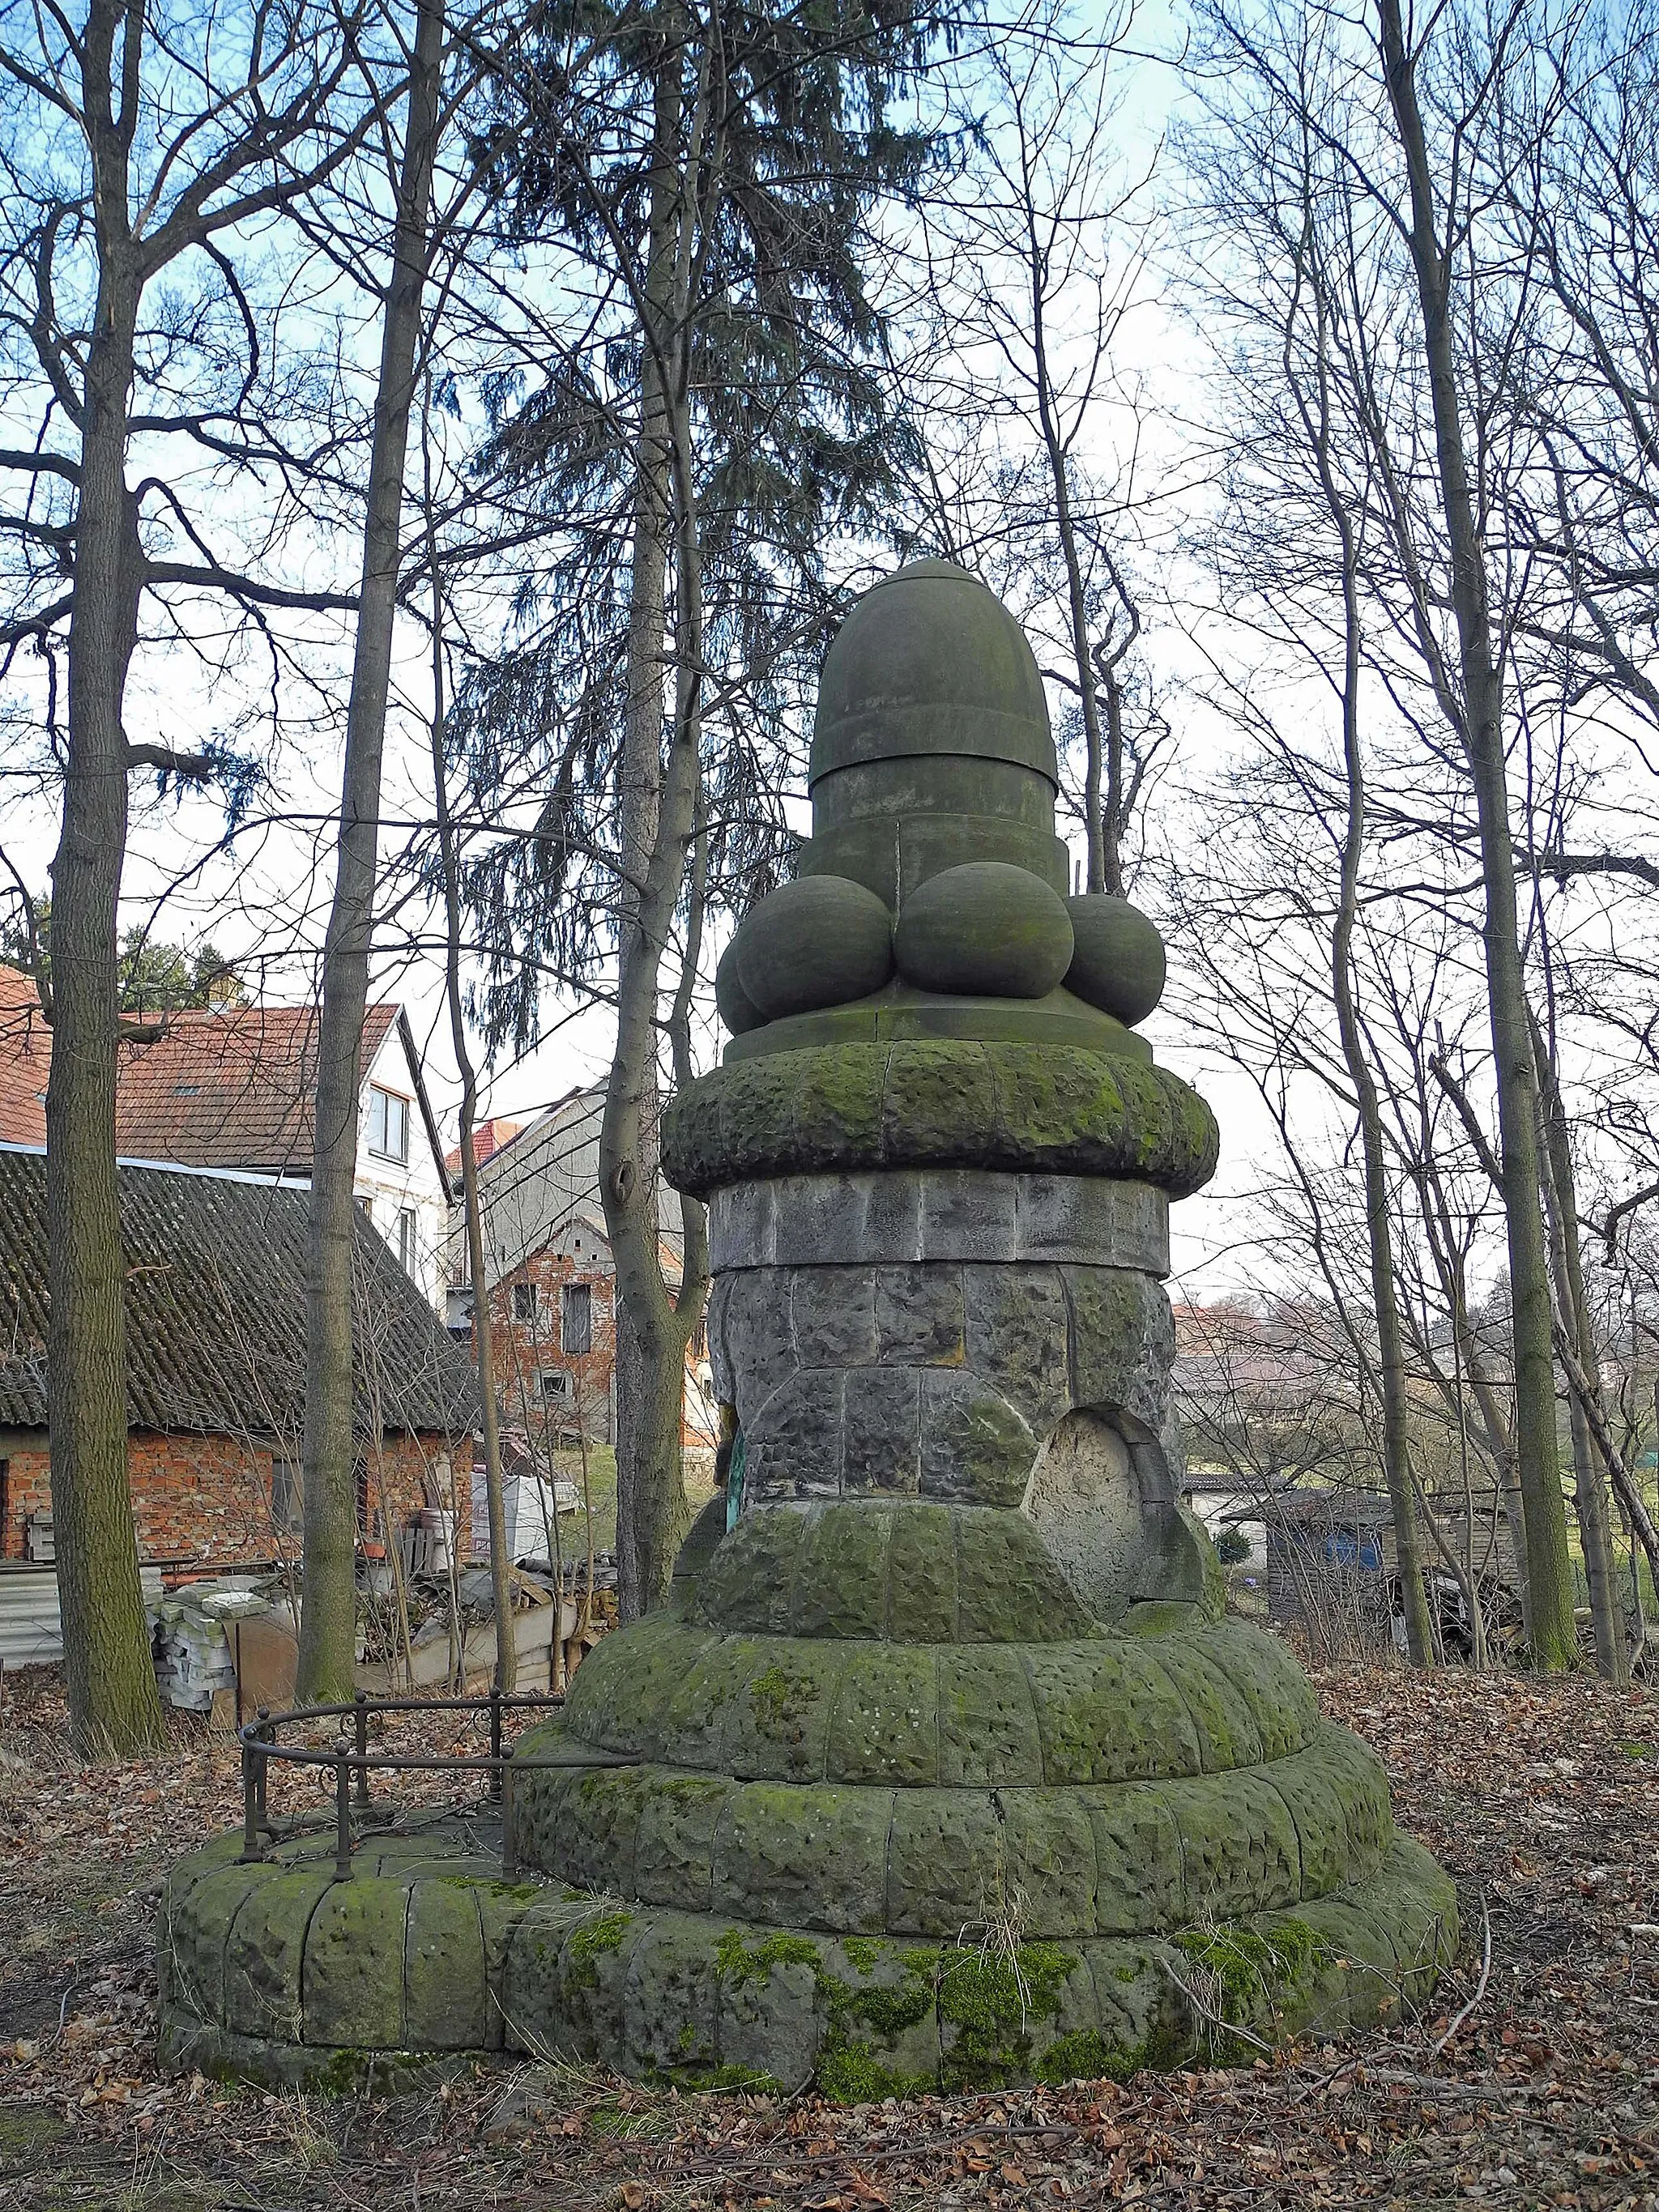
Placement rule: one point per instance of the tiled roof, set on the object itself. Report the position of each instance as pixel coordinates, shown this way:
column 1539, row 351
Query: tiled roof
column 232, row 1087
column 25, row 1061
column 488, row 1138
column 215, row 1297
column 225, row 1087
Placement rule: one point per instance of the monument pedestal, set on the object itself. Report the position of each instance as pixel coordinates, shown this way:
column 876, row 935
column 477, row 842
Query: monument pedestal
column 941, row 1767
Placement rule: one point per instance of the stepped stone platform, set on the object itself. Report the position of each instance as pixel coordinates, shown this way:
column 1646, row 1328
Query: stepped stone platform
column 941, row 1766
column 887, row 1864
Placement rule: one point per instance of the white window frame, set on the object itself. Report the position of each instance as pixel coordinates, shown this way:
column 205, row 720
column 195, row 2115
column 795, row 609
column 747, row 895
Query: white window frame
column 380, row 1103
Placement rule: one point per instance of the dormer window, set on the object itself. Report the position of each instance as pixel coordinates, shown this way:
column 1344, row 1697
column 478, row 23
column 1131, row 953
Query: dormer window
column 388, row 1124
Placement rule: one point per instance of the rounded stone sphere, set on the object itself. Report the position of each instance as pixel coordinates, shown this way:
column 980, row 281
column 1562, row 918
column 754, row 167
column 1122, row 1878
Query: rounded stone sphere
column 986, row 930
column 737, row 1009
column 1118, row 965
column 817, row 942
column 931, row 662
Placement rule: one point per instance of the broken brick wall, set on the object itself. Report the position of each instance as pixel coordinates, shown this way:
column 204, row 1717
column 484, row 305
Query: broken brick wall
column 209, row 1499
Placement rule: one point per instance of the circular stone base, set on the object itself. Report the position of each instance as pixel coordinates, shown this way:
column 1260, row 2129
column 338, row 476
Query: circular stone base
column 424, row 1962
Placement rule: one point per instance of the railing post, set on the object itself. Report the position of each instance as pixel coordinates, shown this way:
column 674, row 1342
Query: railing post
column 362, row 1751
column 495, row 1734
column 265, row 1734
column 252, row 1760
column 509, row 1841
column 342, row 1810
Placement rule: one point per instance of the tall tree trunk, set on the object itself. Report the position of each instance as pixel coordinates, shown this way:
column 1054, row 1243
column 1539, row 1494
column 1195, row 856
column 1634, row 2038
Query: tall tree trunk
column 501, row 1567
column 113, row 1697
column 1554, row 1643
column 1098, row 875
column 1595, row 1514
column 1379, row 1230
column 328, row 1629
column 651, row 1512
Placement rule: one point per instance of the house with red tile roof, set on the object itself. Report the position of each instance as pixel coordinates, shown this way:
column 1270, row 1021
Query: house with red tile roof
column 234, row 1087
column 25, row 1062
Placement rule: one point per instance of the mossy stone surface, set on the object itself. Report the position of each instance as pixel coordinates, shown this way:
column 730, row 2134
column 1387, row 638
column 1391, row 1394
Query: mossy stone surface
column 1048, row 1861
column 921, row 1577
column 984, row 929
column 354, row 1965
column 198, row 1909
column 674, row 1844
column 671, row 2001
column 1118, row 962
column 268, row 1957
column 701, row 1996
column 885, row 1725
column 447, row 2001
column 1138, row 1881
column 898, row 1569
column 736, row 1008
column 1239, row 1849
column 598, row 1820
column 778, row 1727
column 929, row 662
column 1226, row 1731
column 1109, row 1713
column 816, row 942
column 1022, row 1108
column 988, row 1732
column 809, row 1857
column 942, row 1855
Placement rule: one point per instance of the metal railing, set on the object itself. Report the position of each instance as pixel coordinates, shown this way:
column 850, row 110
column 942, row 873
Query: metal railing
column 353, row 1761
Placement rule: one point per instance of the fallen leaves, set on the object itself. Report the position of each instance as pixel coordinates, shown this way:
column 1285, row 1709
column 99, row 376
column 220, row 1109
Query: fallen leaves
column 1548, row 2095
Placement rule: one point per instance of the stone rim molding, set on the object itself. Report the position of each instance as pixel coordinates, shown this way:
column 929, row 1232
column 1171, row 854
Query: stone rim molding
column 1008, row 1108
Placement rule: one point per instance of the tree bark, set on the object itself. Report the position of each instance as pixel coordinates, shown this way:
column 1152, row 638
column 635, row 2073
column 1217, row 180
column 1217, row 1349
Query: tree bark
column 328, row 1627
column 1554, row 1643
column 113, row 1698
column 501, row 1567
column 1595, row 1516
column 652, row 1511
column 1379, row 1230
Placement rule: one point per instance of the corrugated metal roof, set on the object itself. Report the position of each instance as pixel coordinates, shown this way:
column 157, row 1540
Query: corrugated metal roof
column 216, row 1292
column 31, row 1628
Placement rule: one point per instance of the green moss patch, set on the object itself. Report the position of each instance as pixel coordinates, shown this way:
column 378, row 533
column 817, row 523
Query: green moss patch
column 1247, row 1976
column 994, row 1999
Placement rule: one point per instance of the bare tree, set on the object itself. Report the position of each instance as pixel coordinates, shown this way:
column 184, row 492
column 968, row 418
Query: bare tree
column 1034, row 269
column 143, row 165
column 1423, row 386
column 328, row 1632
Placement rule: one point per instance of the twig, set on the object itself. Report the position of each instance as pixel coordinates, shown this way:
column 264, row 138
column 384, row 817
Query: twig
column 1228, row 2026
column 1480, row 1987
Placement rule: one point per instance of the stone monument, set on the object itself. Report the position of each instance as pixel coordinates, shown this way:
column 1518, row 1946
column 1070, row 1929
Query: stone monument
column 941, row 1766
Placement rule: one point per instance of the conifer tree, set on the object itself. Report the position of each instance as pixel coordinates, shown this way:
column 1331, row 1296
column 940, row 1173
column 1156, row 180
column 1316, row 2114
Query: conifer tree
column 727, row 416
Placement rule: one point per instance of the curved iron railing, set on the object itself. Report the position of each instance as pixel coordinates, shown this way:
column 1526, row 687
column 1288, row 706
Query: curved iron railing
column 353, row 1761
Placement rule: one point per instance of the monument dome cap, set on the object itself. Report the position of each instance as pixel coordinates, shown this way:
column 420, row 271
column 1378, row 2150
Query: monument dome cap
column 931, row 662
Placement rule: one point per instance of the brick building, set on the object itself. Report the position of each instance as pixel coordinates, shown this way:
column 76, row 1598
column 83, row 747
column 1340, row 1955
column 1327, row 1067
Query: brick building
column 215, row 1371
column 552, row 1282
